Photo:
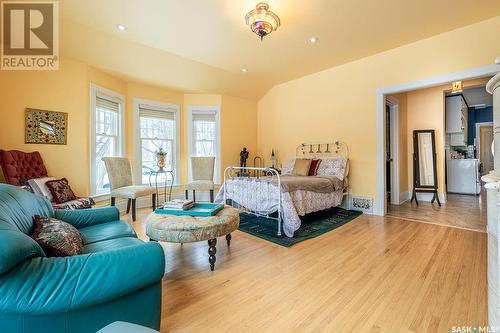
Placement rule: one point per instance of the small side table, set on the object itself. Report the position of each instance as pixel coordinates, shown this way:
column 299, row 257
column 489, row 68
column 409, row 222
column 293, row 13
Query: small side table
column 157, row 187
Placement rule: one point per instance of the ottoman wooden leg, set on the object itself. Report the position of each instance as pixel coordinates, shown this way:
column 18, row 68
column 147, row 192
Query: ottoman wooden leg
column 211, row 252
column 228, row 239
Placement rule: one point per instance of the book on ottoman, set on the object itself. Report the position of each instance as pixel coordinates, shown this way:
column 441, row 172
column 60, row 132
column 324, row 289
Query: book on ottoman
column 179, row 204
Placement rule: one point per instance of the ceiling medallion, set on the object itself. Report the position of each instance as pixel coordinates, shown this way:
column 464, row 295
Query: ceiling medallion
column 262, row 21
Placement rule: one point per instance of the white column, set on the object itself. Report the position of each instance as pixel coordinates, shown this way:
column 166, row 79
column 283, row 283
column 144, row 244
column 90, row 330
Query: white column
column 493, row 192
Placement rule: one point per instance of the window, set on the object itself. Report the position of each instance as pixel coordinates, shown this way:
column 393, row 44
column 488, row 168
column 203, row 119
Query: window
column 157, row 128
column 204, row 134
column 106, row 135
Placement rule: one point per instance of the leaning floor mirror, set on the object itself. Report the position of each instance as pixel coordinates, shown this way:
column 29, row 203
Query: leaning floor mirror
column 424, row 164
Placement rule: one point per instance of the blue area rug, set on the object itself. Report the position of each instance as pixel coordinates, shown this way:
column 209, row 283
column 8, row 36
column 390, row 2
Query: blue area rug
column 313, row 225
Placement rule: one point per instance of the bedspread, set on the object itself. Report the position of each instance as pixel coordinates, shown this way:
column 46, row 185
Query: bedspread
column 261, row 196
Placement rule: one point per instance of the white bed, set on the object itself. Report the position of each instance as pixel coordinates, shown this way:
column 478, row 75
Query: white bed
column 285, row 197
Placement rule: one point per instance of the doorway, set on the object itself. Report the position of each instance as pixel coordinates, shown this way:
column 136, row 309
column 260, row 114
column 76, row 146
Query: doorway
column 458, row 152
column 392, row 151
column 380, row 202
column 484, row 139
column 388, row 153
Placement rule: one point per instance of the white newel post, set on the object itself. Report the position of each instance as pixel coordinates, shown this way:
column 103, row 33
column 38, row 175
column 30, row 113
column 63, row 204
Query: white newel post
column 493, row 202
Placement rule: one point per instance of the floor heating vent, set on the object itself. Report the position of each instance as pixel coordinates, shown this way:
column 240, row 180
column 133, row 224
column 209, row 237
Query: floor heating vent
column 364, row 204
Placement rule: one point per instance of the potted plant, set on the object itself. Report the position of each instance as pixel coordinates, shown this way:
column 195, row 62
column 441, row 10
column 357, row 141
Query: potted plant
column 161, row 154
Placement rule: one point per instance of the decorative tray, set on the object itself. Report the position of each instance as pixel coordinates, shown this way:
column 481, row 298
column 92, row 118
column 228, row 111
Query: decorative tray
column 199, row 209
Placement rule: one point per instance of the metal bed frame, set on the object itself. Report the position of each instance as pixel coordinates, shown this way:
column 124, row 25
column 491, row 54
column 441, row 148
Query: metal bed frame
column 336, row 148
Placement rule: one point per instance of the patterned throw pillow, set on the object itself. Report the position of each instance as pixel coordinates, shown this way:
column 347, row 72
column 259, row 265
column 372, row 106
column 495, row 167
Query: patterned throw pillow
column 57, row 238
column 313, row 169
column 288, row 167
column 333, row 166
column 60, row 190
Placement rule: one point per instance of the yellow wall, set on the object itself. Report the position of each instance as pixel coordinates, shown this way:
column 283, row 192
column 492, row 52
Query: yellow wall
column 238, row 130
column 65, row 90
column 426, row 111
column 68, row 90
column 339, row 103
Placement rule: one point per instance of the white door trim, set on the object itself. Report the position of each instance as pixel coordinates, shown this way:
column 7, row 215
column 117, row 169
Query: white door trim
column 380, row 202
column 478, row 137
column 394, row 113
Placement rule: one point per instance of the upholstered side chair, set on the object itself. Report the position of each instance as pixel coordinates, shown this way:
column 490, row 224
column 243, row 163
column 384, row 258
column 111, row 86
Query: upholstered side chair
column 120, row 178
column 202, row 171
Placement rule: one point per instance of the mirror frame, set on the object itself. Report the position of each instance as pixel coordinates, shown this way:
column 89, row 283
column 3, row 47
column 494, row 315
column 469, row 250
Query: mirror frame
column 416, row 160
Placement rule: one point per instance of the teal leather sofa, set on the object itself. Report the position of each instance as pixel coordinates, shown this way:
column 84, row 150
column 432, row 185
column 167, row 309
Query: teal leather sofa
column 118, row 277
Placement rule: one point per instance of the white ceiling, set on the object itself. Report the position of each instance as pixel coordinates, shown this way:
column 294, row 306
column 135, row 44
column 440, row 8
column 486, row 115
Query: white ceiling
column 211, row 37
column 478, row 96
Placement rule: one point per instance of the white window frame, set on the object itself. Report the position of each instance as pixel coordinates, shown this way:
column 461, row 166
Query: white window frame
column 96, row 90
column 156, row 105
column 200, row 109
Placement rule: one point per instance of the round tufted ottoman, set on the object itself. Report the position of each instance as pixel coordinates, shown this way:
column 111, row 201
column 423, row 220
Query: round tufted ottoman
column 187, row 229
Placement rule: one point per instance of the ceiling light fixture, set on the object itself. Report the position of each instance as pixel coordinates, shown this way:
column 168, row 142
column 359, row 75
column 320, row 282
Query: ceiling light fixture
column 121, row 27
column 313, row 39
column 262, row 21
column 244, row 70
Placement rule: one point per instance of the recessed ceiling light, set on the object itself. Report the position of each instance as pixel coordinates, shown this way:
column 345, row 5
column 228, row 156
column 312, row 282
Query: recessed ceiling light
column 244, row 70
column 121, row 27
column 313, row 39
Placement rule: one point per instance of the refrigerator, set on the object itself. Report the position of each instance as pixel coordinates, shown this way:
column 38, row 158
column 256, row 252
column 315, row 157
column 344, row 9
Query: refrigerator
column 463, row 176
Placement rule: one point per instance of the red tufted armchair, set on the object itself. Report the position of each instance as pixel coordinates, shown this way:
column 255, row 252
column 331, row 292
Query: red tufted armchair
column 18, row 167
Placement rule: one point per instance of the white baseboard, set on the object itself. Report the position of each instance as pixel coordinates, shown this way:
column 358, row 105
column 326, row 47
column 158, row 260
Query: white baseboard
column 425, row 197
column 404, row 197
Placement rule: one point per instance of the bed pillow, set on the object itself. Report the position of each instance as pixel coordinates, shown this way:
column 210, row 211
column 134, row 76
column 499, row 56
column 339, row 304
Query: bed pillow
column 333, row 166
column 301, row 167
column 39, row 187
column 313, row 169
column 57, row 238
column 60, row 190
column 288, row 167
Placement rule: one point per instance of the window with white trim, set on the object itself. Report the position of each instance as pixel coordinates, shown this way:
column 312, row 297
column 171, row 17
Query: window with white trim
column 157, row 129
column 204, row 134
column 106, row 135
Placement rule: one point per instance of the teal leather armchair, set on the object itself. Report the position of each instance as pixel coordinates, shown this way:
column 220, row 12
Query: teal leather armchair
column 117, row 278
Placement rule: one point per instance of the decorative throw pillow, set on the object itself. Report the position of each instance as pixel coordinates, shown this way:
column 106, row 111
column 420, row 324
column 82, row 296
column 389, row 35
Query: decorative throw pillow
column 313, row 169
column 60, row 190
column 288, row 167
column 79, row 203
column 40, row 188
column 333, row 166
column 57, row 238
column 301, row 167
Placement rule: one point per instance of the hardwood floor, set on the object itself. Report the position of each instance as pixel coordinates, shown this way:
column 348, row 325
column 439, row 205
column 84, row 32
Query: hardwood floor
column 373, row 274
column 460, row 211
